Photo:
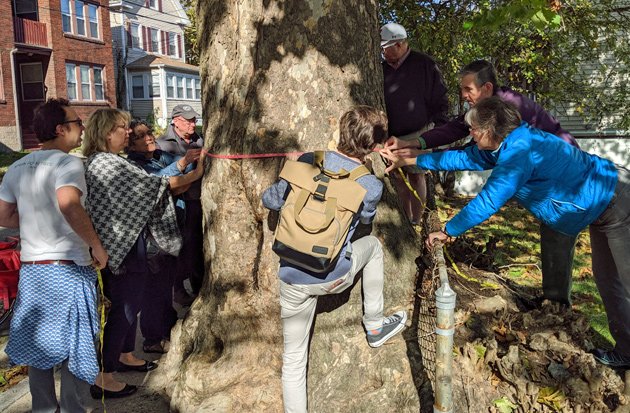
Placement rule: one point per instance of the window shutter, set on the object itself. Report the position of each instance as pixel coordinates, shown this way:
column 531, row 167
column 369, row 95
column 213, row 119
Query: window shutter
column 160, row 5
column 129, row 44
column 164, row 43
column 146, row 3
column 180, row 50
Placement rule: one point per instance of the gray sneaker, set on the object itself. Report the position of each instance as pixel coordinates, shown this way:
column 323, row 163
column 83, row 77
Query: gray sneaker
column 391, row 326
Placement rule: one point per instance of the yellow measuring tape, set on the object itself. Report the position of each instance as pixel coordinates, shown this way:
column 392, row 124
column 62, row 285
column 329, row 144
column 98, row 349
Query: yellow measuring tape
column 413, row 191
column 101, row 332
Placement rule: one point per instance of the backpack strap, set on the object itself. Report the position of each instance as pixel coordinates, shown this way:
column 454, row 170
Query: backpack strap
column 358, row 172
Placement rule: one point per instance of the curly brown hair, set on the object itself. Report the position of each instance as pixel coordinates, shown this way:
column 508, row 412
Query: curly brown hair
column 360, row 130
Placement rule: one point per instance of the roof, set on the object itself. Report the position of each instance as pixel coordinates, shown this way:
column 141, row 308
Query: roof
column 150, row 61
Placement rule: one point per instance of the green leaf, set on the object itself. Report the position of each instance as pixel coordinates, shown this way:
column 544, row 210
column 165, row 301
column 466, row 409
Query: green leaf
column 504, row 405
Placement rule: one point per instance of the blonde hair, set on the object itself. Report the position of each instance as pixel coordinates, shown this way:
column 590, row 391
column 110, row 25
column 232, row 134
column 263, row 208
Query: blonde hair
column 99, row 126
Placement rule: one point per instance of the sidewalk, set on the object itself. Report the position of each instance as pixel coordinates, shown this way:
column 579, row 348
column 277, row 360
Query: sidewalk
column 17, row 399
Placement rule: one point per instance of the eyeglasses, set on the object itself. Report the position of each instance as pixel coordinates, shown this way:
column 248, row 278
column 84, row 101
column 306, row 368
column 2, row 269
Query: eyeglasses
column 387, row 46
column 77, row 121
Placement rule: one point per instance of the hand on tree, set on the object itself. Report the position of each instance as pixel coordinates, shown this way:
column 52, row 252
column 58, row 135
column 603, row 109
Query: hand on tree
column 198, row 171
column 393, row 143
column 396, row 160
column 192, row 155
column 437, row 236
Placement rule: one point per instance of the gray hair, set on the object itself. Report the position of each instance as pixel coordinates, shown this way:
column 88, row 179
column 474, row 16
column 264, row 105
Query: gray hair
column 484, row 72
column 495, row 116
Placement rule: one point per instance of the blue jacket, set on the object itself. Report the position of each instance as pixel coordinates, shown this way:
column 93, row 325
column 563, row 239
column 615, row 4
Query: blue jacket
column 564, row 187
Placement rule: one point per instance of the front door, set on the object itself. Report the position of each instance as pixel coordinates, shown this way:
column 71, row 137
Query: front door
column 32, row 91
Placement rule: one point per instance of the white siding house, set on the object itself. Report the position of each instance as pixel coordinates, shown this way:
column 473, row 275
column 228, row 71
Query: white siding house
column 151, row 70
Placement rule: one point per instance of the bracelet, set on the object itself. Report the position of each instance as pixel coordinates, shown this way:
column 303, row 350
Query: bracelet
column 422, row 143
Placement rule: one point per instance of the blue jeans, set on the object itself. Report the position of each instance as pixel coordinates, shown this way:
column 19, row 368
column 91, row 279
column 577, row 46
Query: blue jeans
column 610, row 243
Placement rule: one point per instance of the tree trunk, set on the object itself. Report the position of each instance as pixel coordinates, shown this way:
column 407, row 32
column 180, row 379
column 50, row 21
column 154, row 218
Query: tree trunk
column 277, row 75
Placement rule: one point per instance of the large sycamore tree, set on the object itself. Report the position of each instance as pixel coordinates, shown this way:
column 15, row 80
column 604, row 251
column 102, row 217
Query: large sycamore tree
column 276, row 77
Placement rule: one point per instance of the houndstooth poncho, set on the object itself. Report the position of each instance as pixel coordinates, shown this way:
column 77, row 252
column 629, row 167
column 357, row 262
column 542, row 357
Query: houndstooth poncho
column 122, row 199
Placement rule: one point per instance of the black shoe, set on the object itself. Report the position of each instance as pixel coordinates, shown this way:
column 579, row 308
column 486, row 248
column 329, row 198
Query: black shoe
column 143, row 368
column 97, row 392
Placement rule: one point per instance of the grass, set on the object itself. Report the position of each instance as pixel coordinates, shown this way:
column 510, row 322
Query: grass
column 7, row 158
column 518, row 257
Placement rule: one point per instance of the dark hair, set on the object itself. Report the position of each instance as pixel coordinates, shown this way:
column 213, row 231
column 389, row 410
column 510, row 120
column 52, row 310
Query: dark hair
column 494, row 115
column 484, row 72
column 360, row 129
column 133, row 124
column 132, row 133
column 47, row 116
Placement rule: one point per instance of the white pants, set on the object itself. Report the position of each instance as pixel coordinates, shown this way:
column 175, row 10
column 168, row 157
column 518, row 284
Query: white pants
column 298, row 302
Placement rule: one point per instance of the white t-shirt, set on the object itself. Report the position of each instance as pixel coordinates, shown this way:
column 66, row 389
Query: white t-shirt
column 32, row 184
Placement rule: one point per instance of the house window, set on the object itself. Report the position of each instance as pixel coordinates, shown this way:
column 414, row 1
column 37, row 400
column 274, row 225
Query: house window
column 98, row 84
column 76, row 14
column 137, row 86
column 180, row 87
column 197, row 89
column 65, row 16
column 190, row 88
column 26, row 9
column 155, row 43
column 154, row 90
column 71, row 80
column 135, row 36
column 172, row 44
column 32, row 81
column 153, row 4
column 170, row 87
column 93, row 15
column 85, row 82
column 78, row 10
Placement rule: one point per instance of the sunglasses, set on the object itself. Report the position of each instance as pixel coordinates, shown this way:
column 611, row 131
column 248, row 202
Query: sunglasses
column 77, row 121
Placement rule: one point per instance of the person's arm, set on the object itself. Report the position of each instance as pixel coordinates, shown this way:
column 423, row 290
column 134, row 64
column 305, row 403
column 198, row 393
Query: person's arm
column 180, row 184
column 9, row 216
column 69, row 200
column 445, row 134
column 468, row 159
column 512, row 171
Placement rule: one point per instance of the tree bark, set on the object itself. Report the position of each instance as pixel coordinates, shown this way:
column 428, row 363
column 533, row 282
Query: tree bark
column 277, row 75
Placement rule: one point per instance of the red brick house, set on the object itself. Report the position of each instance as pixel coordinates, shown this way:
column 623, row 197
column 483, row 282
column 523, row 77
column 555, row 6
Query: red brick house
column 52, row 48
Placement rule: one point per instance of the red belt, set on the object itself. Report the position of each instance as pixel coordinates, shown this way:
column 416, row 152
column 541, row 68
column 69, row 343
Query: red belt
column 47, row 262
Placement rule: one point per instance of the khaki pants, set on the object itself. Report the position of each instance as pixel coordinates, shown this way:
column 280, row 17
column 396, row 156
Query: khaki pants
column 298, row 302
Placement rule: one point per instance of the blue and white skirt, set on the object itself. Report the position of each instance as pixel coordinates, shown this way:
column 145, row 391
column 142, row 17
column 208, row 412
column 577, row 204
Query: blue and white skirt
column 55, row 319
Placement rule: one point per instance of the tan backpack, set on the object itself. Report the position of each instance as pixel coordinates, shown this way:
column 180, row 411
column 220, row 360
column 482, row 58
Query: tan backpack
column 317, row 213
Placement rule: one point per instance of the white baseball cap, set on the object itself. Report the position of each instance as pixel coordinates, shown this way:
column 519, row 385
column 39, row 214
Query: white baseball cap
column 392, row 33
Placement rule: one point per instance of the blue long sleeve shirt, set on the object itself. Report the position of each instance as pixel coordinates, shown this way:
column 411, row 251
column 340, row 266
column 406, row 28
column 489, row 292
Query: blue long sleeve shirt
column 562, row 186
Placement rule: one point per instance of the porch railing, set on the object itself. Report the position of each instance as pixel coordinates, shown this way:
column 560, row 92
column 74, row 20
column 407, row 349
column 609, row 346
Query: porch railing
column 30, row 32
